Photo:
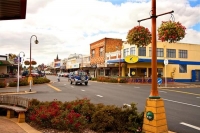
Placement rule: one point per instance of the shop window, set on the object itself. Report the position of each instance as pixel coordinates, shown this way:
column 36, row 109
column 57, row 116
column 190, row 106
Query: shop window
column 182, row 68
column 107, row 72
column 171, row 53
column 160, row 72
column 150, row 52
column 93, row 53
column 132, row 51
column 101, row 72
column 101, row 51
column 160, row 52
column 125, row 52
column 142, row 51
column 183, row 54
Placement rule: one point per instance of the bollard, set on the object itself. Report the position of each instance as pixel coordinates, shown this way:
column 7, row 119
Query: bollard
column 30, row 86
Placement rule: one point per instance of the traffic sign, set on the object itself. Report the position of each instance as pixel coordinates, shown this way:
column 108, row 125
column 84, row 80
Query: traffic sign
column 159, row 80
column 166, row 61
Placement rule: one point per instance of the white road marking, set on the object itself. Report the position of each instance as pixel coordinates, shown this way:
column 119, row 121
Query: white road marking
column 99, row 96
column 127, row 104
column 82, row 90
column 163, row 91
column 72, row 86
column 136, row 87
column 198, row 97
column 64, row 84
column 182, row 103
column 189, row 125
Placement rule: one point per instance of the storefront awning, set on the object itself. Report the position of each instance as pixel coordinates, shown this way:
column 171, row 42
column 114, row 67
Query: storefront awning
column 12, row 9
column 159, row 61
column 5, row 63
column 115, row 61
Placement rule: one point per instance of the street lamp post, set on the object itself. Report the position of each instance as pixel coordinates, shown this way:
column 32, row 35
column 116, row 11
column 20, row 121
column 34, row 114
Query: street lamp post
column 18, row 71
column 81, row 61
column 30, row 80
column 154, row 98
column 119, row 59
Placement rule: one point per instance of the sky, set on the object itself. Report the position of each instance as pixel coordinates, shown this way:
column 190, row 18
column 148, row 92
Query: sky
column 65, row 27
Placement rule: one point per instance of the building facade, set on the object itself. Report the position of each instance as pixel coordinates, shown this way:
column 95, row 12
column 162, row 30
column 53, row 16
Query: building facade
column 183, row 61
column 98, row 52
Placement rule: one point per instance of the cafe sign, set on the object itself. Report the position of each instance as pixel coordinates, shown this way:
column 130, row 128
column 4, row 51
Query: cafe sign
column 131, row 59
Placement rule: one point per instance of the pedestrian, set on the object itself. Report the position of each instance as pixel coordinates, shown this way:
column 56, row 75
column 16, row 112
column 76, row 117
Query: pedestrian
column 58, row 78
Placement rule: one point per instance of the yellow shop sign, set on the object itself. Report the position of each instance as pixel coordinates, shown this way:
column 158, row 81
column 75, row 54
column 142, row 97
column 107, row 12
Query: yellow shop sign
column 131, row 59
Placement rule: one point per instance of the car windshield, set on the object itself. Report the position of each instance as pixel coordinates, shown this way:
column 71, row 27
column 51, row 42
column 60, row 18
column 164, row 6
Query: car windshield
column 82, row 73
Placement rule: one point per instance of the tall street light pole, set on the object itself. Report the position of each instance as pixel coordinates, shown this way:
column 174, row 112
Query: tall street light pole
column 30, row 79
column 81, row 61
column 18, row 71
column 119, row 59
column 154, row 103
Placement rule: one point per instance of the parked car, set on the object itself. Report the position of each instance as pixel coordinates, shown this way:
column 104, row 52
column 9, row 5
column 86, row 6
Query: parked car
column 47, row 72
column 63, row 74
column 40, row 74
column 34, row 73
column 79, row 77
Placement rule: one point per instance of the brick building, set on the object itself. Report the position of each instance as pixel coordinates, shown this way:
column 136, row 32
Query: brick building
column 98, row 52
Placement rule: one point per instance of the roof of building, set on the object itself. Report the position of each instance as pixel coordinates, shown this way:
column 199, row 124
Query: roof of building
column 5, row 63
column 13, row 9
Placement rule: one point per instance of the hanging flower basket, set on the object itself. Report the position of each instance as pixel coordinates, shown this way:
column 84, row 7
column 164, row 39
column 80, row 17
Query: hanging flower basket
column 26, row 62
column 139, row 36
column 171, row 31
column 33, row 62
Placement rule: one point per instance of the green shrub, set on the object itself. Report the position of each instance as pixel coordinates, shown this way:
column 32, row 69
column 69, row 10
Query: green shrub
column 94, row 79
column 2, row 84
column 79, row 114
column 56, row 115
column 107, row 119
column 40, row 80
column 123, row 80
column 23, row 82
column 13, row 84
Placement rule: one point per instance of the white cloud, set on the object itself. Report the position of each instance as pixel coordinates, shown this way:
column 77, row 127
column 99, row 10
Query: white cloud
column 65, row 27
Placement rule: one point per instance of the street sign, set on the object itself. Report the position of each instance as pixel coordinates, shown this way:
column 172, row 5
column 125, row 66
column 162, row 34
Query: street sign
column 166, row 61
column 159, row 81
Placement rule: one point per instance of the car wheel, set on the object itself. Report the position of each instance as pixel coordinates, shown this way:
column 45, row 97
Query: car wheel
column 86, row 83
column 71, row 82
column 75, row 83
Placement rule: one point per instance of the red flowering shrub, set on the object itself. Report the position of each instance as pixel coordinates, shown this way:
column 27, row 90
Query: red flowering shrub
column 2, row 84
column 171, row 31
column 77, row 115
column 139, row 36
column 72, row 116
column 69, row 120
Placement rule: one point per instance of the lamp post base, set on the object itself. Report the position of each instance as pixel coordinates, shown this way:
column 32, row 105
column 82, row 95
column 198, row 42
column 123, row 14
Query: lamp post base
column 30, row 79
column 154, row 117
column 154, row 97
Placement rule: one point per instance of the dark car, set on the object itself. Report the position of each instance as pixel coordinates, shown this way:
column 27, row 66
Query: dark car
column 40, row 74
column 25, row 73
column 34, row 73
column 79, row 77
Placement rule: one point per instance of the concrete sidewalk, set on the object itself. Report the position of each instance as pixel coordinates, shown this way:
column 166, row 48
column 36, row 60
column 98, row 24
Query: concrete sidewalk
column 12, row 126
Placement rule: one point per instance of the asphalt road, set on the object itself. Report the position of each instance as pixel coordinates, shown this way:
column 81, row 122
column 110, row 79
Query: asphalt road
column 182, row 105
